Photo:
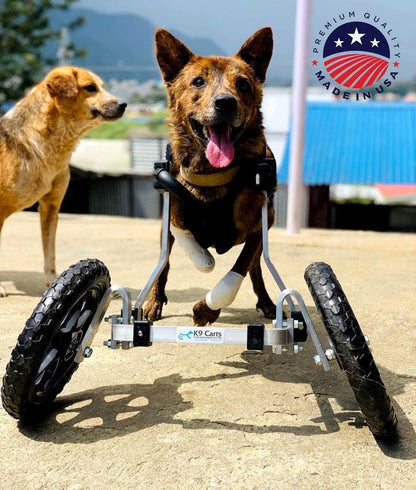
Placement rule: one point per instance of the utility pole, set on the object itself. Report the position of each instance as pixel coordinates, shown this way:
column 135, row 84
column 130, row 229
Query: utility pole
column 65, row 53
column 300, row 78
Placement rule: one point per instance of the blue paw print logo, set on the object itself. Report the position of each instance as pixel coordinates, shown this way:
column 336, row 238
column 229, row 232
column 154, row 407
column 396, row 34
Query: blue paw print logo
column 182, row 335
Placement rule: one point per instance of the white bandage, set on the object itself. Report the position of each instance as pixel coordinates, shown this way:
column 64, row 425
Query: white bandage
column 225, row 291
column 201, row 257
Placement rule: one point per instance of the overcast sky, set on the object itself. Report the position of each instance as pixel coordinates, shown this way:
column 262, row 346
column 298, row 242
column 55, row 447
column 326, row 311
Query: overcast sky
column 231, row 22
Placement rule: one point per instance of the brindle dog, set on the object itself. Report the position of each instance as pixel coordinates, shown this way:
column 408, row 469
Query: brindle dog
column 217, row 137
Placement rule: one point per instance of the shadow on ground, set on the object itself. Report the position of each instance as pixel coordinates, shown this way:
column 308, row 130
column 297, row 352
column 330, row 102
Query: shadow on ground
column 26, row 283
column 112, row 411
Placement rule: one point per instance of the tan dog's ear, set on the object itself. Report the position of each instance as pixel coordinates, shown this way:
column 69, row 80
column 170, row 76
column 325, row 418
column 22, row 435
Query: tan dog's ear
column 62, row 82
column 172, row 55
column 257, row 51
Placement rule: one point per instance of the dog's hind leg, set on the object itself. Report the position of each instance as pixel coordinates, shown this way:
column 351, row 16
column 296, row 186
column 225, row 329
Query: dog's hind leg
column 264, row 302
column 49, row 206
column 153, row 308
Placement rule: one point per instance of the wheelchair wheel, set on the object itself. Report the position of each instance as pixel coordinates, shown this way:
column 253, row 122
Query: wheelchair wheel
column 43, row 360
column 351, row 350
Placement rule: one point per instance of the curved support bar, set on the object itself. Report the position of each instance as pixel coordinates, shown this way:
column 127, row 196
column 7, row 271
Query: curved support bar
column 120, row 291
column 286, row 295
column 111, row 293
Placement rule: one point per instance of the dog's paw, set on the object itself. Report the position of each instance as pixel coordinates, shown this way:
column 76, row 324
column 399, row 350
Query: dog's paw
column 203, row 314
column 267, row 307
column 49, row 278
column 153, row 309
column 3, row 292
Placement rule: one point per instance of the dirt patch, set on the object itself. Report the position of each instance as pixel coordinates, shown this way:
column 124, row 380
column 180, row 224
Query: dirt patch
column 213, row 416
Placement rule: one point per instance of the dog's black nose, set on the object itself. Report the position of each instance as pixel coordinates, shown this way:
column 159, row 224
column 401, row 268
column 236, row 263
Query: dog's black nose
column 225, row 103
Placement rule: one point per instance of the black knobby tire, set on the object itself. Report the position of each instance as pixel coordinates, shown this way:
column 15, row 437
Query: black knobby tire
column 43, row 360
column 351, row 349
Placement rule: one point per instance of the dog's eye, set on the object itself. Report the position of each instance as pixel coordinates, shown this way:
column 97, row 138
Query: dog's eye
column 91, row 88
column 198, row 82
column 242, row 84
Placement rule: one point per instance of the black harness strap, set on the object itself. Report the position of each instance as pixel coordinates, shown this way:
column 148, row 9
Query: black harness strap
column 212, row 223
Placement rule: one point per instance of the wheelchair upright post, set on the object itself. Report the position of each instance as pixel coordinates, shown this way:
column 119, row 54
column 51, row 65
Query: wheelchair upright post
column 164, row 253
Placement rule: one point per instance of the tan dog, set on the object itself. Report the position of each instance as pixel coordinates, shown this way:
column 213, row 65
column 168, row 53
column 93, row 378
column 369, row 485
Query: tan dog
column 37, row 138
column 217, row 139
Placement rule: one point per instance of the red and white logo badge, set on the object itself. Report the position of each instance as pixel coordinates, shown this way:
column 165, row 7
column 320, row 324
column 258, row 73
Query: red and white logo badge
column 356, row 59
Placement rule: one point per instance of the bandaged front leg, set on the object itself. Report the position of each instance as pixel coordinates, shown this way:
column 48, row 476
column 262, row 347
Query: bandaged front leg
column 201, row 257
column 225, row 291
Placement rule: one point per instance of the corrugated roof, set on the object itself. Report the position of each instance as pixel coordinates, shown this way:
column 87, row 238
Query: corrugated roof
column 358, row 143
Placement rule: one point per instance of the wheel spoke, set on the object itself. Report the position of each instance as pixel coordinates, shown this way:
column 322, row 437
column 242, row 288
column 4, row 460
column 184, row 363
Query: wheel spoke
column 85, row 315
column 70, row 321
column 47, row 370
column 48, row 359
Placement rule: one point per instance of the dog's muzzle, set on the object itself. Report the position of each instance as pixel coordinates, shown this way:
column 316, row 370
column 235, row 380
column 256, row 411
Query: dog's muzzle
column 110, row 111
column 225, row 104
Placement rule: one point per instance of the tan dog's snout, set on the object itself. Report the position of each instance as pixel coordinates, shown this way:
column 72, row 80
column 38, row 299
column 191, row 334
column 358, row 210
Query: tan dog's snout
column 110, row 110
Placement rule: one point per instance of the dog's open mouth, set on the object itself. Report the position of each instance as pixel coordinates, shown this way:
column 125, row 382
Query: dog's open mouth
column 218, row 140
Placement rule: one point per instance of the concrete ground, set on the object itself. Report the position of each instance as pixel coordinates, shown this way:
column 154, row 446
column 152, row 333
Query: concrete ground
column 190, row 416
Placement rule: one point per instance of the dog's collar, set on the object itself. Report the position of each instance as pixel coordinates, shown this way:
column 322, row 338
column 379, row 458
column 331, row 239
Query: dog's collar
column 210, row 180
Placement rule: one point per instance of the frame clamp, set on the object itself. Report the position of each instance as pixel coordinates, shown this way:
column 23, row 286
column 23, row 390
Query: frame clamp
column 141, row 333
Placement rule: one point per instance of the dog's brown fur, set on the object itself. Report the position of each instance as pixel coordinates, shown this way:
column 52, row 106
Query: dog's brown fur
column 37, row 138
column 193, row 85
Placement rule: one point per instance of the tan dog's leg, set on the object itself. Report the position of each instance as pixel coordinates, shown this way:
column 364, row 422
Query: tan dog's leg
column 3, row 292
column 153, row 309
column 49, row 206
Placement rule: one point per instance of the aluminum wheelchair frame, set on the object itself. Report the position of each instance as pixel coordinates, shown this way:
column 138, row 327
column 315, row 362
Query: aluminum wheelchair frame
column 130, row 330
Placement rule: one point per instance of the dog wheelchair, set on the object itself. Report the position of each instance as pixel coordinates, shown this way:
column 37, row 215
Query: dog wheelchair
column 59, row 334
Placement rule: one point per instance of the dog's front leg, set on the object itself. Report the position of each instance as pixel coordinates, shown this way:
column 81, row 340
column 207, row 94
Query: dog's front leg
column 49, row 206
column 3, row 292
column 153, row 309
column 223, row 294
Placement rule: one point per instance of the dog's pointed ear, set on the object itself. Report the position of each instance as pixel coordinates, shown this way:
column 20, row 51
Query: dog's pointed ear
column 172, row 55
column 62, row 82
column 257, row 51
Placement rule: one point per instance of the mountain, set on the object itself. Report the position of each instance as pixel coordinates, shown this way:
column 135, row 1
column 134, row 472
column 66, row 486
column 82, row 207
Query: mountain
column 119, row 45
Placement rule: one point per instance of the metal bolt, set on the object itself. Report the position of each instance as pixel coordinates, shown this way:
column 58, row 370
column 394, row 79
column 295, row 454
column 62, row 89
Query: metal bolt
column 330, row 354
column 367, row 340
column 87, row 352
column 317, row 360
column 297, row 349
column 107, row 343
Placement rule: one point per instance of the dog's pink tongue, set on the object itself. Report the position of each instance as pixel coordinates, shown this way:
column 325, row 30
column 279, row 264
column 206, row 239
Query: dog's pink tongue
column 220, row 151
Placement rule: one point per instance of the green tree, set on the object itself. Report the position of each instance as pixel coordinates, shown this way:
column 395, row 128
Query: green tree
column 24, row 30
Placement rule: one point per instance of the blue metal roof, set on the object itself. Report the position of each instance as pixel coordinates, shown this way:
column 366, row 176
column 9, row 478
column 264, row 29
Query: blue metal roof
column 357, row 143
